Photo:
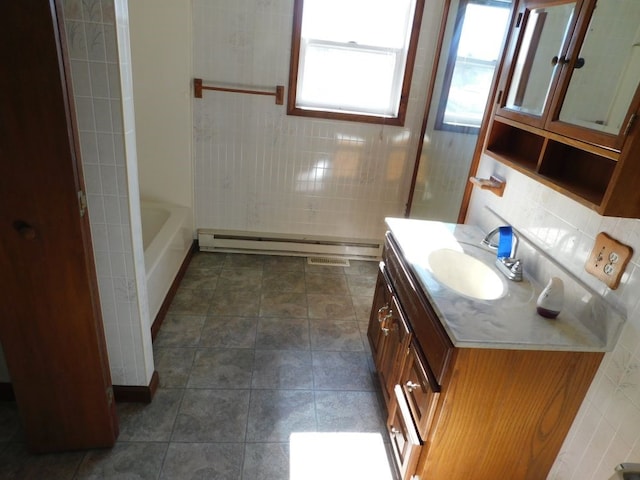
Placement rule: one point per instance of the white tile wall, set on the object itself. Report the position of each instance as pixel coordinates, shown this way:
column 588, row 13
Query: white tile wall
column 97, row 37
column 257, row 169
column 607, row 429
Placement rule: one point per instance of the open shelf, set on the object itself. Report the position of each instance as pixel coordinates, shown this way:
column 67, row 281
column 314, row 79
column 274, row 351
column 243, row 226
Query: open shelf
column 585, row 174
column 580, row 171
column 517, row 146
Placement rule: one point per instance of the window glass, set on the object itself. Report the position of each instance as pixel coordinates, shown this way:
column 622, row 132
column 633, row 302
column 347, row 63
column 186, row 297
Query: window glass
column 474, row 53
column 353, row 58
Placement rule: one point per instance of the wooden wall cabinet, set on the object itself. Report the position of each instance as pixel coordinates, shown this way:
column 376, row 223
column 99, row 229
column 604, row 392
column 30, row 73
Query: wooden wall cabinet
column 568, row 99
column 463, row 413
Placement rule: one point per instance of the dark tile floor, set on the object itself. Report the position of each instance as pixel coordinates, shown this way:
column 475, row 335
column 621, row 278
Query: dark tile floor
column 254, row 348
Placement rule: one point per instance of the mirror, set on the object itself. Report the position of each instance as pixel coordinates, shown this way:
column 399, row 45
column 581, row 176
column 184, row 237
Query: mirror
column 541, row 51
column 606, row 77
column 472, row 41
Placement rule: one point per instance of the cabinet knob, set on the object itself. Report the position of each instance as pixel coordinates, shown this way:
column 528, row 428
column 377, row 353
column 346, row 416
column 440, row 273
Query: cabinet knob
column 411, row 386
column 561, row 60
column 395, row 431
column 385, row 331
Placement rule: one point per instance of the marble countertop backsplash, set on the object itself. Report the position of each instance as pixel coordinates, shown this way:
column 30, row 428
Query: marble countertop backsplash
column 587, row 321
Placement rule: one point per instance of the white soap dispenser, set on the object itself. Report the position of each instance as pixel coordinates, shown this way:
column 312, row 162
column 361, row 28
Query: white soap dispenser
column 551, row 299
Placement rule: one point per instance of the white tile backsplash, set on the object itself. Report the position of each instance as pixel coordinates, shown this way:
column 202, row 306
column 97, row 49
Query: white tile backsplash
column 607, row 429
column 104, row 118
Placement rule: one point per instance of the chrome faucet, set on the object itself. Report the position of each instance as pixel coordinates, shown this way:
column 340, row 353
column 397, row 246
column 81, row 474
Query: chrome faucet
column 510, row 266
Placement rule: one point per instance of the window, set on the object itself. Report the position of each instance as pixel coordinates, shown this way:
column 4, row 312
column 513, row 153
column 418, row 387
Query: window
column 474, row 52
column 353, row 59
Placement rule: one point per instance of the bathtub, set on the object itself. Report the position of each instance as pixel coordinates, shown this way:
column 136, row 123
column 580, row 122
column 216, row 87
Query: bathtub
column 167, row 238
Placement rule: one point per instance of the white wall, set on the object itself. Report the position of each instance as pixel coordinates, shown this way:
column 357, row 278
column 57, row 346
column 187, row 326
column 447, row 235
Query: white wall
column 607, row 429
column 257, row 169
column 161, row 54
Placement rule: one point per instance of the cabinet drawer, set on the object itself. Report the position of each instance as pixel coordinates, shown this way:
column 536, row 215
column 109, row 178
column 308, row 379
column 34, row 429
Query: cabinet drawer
column 433, row 340
column 421, row 397
column 405, row 439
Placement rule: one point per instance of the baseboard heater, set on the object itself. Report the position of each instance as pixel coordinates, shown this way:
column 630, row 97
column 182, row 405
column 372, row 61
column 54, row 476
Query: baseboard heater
column 282, row 244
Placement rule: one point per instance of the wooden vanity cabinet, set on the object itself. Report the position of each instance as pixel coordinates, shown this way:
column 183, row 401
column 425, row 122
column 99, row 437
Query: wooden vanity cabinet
column 461, row 413
column 568, row 100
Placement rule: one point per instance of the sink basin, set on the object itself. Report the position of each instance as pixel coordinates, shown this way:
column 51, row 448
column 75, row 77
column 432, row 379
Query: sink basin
column 466, row 274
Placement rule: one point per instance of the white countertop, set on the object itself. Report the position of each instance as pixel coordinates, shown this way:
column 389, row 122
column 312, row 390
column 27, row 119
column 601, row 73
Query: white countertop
column 586, row 322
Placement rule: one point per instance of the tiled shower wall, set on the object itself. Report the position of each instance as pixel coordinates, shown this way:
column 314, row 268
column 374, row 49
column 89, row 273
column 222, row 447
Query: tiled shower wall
column 607, row 429
column 97, row 38
column 259, row 170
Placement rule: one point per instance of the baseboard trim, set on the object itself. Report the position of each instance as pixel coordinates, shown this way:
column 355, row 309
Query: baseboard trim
column 164, row 308
column 121, row 393
column 137, row 393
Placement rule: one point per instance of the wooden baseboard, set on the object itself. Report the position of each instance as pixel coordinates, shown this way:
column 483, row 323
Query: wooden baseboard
column 164, row 308
column 135, row 393
column 121, row 393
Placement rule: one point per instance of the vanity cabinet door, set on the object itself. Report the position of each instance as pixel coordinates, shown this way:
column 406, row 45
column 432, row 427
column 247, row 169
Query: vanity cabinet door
column 388, row 334
column 397, row 337
column 380, row 311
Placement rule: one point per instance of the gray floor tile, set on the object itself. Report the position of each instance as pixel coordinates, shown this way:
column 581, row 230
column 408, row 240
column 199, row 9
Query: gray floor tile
column 190, row 301
column 326, row 284
column 208, row 415
column 274, row 348
column 341, row 371
column 141, row 461
column 278, row 263
column 173, row 365
column 180, row 331
column 339, row 307
column 362, row 267
column 207, row 261
column 219, row 461
column 236, row 303
column 241, row 260
column 16, row 463
column 329, row 334
column 284, row 281
column 282, row 369
column 266, row 461
column 361, row 285
column 283, row 304
column 200, row 279
column 221, row 368
column 151, row 422
column 232, row 332
column 275, row 414
column 362, row 307
column 239, row 279
column 349, row 412
column 283, row 334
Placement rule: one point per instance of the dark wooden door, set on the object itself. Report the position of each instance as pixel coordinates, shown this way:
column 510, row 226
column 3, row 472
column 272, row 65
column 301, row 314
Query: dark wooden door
column 50, row 323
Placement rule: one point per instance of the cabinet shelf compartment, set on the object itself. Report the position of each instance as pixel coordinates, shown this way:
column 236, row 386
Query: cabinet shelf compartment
column 581, row 173
column 515, row 145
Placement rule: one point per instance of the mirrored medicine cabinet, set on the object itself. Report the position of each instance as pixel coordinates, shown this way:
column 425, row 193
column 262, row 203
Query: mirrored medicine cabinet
column 568, row 99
